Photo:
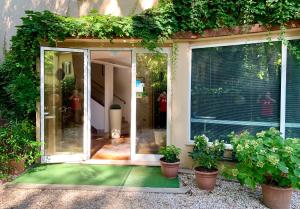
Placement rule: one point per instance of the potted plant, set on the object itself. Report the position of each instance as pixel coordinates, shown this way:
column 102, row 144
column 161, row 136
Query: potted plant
column 115, row 116
column 206, row 156
column 170, row 161
column 18, row 148
column 268, row 160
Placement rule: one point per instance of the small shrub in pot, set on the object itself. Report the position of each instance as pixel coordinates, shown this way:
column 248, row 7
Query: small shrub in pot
column 206, row 156
column 170, row 161
column 18, row 147
column 268, row 160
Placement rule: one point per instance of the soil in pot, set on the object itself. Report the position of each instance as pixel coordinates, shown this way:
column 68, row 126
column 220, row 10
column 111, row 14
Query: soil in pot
column 206, row 178
column 169, row 170
column 276, row 197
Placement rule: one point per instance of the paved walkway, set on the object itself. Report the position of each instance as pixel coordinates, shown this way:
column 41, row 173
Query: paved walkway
column 226, row 195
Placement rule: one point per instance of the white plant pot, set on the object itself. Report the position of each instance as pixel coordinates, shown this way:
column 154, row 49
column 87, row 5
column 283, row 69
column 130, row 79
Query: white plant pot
column 115, row 116
column 160, row 137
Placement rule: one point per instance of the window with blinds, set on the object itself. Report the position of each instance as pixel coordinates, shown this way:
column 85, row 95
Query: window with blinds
column 236, row 88
column 293, row 91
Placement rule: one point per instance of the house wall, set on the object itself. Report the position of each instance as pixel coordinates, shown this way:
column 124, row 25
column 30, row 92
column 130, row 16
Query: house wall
column 13, row 10
column 180, row 80
column 181, row 85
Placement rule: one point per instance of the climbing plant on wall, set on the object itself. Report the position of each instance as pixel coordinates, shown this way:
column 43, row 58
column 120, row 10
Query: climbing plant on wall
column 18, row 77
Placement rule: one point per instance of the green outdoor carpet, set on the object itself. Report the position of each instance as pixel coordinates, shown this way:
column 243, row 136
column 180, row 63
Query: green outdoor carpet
column 105, row 175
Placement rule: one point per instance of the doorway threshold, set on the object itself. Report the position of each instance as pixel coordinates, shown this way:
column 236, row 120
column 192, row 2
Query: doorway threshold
column 120, row 162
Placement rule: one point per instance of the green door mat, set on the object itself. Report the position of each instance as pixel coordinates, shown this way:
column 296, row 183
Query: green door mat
column 105, row 175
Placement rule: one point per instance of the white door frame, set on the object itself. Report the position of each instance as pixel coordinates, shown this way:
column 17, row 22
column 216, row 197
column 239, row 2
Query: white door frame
column 86, row 126
column 148, row 157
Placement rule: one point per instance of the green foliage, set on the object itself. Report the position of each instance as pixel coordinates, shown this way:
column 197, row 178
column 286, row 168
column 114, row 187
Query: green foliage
column 266, row 158
column 67, row 86
column 154, row 68
column 170, row 153
column 115, row 107
column 207, row 155
column 17, row 142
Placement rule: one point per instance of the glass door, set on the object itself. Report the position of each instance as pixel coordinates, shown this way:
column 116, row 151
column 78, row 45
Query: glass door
column 64, row 96
column 150, row 104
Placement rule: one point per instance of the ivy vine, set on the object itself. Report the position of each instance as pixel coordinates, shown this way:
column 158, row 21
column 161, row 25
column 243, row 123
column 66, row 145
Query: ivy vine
column 19, row 81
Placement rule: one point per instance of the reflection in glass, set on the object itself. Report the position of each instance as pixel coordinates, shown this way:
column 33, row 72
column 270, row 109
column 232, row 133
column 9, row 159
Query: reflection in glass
column 293, row 91
column 63, row 98
column 235, row 88
column 151, row 102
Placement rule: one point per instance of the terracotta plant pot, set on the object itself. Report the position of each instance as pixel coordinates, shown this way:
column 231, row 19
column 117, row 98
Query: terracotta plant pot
column 16, row 167
column 206, row 179
column 169, row 170
column 276, row 197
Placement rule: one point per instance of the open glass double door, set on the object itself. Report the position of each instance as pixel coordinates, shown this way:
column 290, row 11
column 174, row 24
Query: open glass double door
column 65, row 100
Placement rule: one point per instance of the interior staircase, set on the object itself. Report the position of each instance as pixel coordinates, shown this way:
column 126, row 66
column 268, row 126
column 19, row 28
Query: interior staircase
column 97, row 94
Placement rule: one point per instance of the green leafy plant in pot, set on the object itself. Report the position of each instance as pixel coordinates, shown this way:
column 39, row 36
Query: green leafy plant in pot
column 206, row 156
column 268, row 160
column 170, row 161
column 18, row 147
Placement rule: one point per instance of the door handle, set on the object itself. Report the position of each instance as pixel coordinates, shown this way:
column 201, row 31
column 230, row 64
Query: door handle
column 46, row 113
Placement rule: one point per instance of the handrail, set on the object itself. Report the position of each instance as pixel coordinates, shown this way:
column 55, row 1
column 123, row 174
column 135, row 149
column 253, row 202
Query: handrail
column 115, row 96
column 98, row 100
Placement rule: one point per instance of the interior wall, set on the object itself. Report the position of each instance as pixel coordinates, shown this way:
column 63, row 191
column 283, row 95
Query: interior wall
column 122, row 89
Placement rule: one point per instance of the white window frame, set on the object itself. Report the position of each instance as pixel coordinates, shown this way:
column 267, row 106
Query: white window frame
column 282, row 122
column 86, row 128
column 148, row 157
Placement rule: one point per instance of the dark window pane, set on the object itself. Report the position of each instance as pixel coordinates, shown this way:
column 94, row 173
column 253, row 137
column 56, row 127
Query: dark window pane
column 235, row 88
column 293, row 92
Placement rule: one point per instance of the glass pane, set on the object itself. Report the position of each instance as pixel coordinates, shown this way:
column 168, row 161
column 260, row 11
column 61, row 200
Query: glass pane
column 151, row 102
column 64, row 93
column 293, row 91
column 235, row 88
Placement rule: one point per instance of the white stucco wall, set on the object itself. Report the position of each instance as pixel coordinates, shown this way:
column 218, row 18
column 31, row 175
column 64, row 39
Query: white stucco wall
column 97, row 118
column 12, row 10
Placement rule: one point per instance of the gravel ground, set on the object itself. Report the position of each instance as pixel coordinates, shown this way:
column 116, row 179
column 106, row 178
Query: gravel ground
column 226, row 195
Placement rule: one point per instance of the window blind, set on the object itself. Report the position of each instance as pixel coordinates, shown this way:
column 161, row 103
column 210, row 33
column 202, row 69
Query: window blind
column 293, row 92
column 235, row 88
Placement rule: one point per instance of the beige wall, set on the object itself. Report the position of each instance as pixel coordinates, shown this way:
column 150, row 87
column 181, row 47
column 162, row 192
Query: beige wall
column 13, row 10
column 180, row 86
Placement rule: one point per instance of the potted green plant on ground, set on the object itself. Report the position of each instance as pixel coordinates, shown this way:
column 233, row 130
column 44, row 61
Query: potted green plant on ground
column 18, row 148
column 206, row 156
column 170, row 161
column 268, row 160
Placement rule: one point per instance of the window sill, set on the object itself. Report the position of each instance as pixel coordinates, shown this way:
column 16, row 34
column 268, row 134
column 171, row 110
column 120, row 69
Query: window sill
column 227, row 146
